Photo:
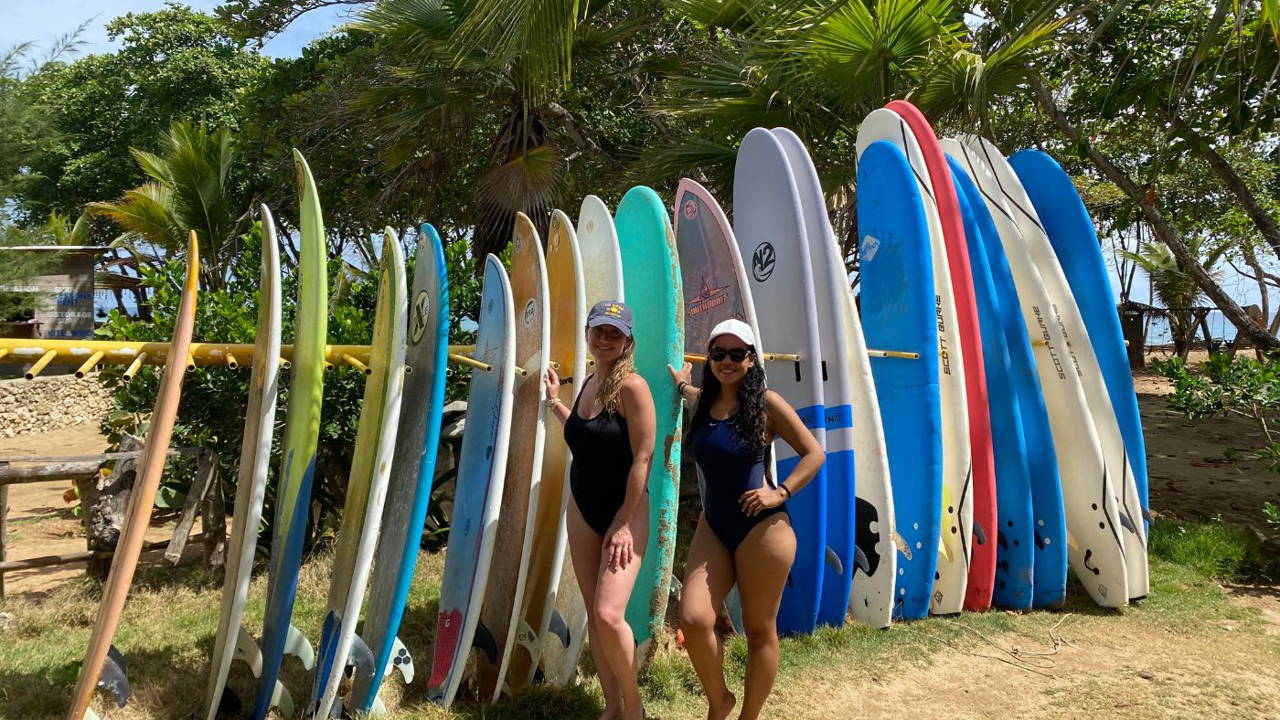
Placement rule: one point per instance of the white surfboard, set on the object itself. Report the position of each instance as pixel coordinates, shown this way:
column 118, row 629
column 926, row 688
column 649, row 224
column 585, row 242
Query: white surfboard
column 1095, row 546
column 957, row 498
column 602, row 280
column 852, row 410
column 231, row 640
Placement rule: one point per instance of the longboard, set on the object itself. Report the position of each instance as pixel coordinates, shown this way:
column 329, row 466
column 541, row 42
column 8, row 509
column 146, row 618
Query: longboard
column 1090, row 504
column 957, row 472
column 567, row 312
column 598, row 245
column 103, row 665
column 899, row 312
column 1050, row 528
column 1014, row 529
column 366, row 485
column 647, row 245
column 298, row 454
column 500, row 614
column 769, row 228
column 231, row 640
column 715, row 288
column 1070, row 231
column 412, row 473
column 859, row 501
column 478, row 495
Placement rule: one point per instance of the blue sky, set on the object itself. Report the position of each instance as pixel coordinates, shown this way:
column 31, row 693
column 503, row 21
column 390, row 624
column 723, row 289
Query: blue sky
column 42, row 21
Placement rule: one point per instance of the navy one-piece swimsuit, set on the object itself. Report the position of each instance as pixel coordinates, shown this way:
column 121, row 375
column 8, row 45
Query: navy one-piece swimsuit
column 729, row 468
column 601, row 463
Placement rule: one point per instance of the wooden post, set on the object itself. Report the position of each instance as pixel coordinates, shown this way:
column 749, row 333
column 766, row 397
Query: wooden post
column 206, row 475
column 213, row 519
column 1131, row 322
column 4, row 511
column 105, row 501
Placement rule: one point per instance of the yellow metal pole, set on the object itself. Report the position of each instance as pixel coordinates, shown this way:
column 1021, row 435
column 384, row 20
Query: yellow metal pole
column 88, row 364
column 767, row 357
column 3, row 353
column 460, row 359
column 132, row 371
column 285, row 364
column 41, row 364
column 348, row 359
column 191, row 363
column 231, row 361
column 894, row 354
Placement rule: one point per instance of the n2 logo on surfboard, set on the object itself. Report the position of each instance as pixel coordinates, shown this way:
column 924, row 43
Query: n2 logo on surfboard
column 762, row 261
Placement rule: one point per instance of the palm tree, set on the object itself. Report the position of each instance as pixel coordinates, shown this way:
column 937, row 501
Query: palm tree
column 188, row 189
column 462, row 64
column 1174, row 286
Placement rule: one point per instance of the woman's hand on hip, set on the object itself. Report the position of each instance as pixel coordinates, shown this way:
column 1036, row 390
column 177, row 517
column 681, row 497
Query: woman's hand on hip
column 619, row 547
column 753, row 502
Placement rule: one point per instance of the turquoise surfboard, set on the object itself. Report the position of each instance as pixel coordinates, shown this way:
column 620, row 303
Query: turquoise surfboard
column 898, row 313
column 650, row 266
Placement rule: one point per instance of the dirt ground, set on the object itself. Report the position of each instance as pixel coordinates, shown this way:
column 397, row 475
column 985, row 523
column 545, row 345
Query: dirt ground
column 40, row 520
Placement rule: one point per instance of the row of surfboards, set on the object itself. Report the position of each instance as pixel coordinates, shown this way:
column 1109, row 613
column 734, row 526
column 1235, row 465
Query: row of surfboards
column 979, row 420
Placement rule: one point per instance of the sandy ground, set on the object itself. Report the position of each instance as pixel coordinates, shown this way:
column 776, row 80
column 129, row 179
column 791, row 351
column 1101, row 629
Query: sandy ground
column 41, row 522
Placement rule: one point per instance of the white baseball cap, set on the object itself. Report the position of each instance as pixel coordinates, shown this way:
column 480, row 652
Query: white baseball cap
column 733, row 327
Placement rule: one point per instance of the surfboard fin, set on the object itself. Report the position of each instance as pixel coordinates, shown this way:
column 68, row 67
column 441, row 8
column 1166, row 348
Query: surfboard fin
column 114, row 677
column 297, row 644
column 900, row 543
column 401, row 660
column 1127, row 523
column 834, row 561
column 247, row 650
column 378, row 709
column 979, row 533
column 282, row 700
column 361, row 657
column 559, row 628
column 860, row 560
column 89, row 714
column 527, row 639
column 484, row 642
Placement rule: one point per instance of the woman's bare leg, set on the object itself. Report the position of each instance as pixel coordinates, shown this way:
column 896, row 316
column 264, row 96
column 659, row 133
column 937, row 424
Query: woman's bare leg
column 763, row 561
column 585, row 548
column 615, row 640
column 708, row 576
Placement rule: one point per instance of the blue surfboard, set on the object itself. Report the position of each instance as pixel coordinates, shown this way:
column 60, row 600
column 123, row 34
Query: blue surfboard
column 412, row 470
column 1050, row 538
column 898, row 313
column 1014, row 533
column 1071, row 232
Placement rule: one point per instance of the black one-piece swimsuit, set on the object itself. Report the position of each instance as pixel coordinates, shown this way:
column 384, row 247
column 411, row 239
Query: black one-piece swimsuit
column 601, row 463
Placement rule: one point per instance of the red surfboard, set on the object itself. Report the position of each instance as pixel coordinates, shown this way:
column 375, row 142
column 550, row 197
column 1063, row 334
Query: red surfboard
column 982, row 561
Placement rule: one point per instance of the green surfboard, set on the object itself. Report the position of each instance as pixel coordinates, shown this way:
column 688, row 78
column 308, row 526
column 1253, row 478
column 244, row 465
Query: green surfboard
column 649, row 261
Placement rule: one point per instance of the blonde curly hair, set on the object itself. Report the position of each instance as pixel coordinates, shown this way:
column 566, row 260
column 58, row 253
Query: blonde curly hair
column 610, row 388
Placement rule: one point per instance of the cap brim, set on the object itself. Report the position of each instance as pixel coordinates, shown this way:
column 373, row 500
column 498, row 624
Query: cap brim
column 746, row 341
column 612, row 322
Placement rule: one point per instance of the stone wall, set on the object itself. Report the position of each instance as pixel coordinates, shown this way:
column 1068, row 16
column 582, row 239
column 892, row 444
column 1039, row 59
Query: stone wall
column 49, row 403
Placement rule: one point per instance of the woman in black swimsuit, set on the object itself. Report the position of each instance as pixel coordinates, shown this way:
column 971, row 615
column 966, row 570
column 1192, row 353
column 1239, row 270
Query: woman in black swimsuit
column 610, row 430
column 744, row 533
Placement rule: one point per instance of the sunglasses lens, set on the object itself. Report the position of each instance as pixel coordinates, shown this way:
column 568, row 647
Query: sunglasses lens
column 736, row 354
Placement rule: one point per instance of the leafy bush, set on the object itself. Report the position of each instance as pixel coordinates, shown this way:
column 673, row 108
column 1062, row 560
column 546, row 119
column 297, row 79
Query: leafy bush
column 214, row 399
column 1215, row 550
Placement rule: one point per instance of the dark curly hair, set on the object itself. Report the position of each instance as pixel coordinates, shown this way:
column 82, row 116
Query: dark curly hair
column 751, row 420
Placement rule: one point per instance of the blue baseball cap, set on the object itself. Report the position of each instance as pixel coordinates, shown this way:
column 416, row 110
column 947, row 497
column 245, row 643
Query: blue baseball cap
column 610, row 312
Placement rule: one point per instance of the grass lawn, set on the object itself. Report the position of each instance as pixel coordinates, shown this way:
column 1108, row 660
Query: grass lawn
column 1189, row 649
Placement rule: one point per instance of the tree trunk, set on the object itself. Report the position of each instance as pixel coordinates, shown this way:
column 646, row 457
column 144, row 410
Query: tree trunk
column 1265, row 223
column 104, row 499
column 1159, row 226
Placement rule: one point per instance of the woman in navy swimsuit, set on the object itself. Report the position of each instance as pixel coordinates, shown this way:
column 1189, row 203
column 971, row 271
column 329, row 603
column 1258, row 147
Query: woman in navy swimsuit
column 610, row 430
column 744, row 534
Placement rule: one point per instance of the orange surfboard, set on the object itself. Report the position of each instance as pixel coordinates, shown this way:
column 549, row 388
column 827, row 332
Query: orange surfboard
column 103, row 664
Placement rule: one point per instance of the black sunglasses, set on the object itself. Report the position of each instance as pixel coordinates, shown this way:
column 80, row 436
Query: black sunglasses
column 717, row 353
